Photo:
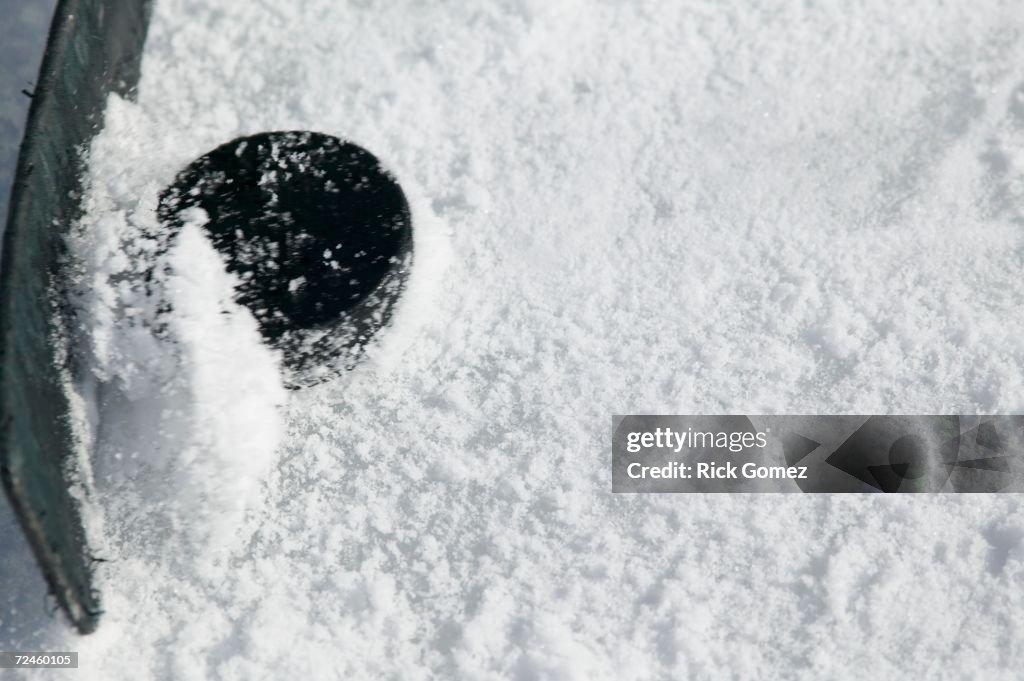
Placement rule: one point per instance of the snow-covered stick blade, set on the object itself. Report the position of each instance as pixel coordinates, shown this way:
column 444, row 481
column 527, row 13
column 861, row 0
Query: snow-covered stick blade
column 93, row 49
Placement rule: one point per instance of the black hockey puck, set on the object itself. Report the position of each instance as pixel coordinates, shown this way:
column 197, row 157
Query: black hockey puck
column 318, row 234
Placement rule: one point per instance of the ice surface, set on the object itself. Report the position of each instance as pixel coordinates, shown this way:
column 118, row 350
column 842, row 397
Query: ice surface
column 672, row 207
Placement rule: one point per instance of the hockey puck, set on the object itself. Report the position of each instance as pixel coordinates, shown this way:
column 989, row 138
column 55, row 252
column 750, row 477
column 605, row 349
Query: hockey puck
column 318, row 234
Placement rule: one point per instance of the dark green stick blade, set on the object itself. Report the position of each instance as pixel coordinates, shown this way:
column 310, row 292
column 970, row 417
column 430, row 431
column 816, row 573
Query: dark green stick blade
column 93, row 49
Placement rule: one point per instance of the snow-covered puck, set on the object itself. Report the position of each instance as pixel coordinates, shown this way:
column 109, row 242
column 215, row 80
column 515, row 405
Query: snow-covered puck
column 318, row 234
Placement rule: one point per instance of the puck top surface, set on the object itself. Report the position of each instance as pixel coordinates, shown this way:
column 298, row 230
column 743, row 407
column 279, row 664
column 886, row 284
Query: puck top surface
column 311, row 225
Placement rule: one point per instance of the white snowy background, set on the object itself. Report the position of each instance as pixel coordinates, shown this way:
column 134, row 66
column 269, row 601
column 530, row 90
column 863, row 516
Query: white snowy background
column 660, row 207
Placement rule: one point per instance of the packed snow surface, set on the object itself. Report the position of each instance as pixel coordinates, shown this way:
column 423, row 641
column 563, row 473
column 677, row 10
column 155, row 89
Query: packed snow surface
column 662, row 207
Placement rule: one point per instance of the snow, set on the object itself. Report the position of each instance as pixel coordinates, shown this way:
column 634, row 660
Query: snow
column 672, row 207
